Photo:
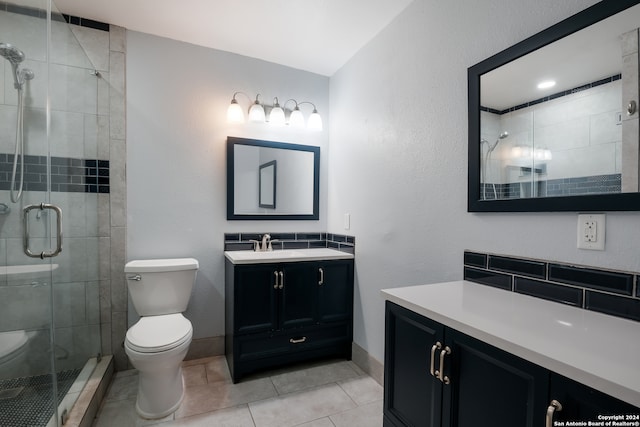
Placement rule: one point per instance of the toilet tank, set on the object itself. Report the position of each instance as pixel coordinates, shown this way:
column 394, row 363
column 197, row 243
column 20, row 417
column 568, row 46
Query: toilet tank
column 160, row 286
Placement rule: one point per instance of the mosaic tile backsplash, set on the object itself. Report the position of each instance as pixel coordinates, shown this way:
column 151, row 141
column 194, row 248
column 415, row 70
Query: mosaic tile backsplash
column 302, row 240
column 595, row 184
column 607, row 291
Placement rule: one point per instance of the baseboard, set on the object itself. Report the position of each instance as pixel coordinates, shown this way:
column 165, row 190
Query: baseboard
column 205, row 347
column 369, row 364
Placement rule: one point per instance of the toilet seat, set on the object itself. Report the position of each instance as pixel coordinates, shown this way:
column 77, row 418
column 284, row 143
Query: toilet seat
column 154, row 334
column 11, row 342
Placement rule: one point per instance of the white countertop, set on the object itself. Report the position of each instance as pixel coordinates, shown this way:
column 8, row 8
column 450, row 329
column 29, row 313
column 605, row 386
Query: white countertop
column 286, row 255
column 594, row 349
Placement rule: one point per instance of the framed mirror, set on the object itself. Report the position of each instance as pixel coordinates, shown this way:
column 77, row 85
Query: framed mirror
column 269, row 180
column 553, row 121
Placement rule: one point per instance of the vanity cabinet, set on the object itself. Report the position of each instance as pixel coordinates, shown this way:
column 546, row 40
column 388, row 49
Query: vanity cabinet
column 580, row 402
column 278, row 313
column 437, row 376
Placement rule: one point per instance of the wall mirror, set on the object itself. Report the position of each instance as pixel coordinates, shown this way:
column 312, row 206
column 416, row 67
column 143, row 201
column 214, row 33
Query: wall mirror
column 553, row 120
column 269, row 180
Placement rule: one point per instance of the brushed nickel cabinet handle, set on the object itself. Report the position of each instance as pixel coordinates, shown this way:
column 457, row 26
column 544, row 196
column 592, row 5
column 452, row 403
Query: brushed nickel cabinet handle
column 321, row 282
column 436, row 346
column 281, row 274
column 297, row 340
column 553, row 407
column 444, row 378
column 275, row 273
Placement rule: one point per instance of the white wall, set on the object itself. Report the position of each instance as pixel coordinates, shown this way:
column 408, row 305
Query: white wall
column 177, row 99
column 398, row 156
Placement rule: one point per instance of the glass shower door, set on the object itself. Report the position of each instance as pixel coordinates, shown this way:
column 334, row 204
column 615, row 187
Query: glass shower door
column 49, row 238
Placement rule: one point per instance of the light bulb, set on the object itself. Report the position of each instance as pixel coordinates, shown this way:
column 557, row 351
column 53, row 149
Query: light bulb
column 296, row 119
column 276, row 116
column 516, row 152
column 256, row 112
column 235, row 113
column 315, row 121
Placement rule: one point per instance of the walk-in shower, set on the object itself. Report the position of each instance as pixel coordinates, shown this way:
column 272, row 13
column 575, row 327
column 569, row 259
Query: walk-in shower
column 20, row 76
column 53, row 131
column 484, row 165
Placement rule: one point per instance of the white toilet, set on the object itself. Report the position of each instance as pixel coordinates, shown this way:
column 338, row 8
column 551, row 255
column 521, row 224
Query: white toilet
column 13, row 349
column 158, row 342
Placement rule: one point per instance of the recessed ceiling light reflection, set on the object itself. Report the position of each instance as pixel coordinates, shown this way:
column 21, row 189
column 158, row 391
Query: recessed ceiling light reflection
column 546, row 84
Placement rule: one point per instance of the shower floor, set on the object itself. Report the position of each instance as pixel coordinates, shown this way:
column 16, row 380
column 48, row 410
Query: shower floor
column 28, row 401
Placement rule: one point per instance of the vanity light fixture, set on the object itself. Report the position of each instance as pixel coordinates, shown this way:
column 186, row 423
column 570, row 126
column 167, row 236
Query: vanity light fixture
column 546, row 84
column 276, row 114
column 527, row 153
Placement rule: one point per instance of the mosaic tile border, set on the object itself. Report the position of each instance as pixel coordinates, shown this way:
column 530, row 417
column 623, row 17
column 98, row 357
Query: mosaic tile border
column 67, row 174
column 42, row 13
column 595, row 184
column 294, row 240
column 551, row 97
column 607, row 291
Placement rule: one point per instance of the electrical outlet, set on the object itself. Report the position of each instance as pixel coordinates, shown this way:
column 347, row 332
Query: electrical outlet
column 591, row 231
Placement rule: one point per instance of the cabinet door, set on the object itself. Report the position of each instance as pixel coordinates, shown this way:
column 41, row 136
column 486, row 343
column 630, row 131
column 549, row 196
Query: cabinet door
column 412, row 397
column 490, row 387
column 582, row 403
column 335, row 287
column 255, row 298
column 298, row 296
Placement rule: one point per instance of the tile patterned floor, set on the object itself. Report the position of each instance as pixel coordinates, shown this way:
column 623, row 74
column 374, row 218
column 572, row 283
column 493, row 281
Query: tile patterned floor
column 334, row 393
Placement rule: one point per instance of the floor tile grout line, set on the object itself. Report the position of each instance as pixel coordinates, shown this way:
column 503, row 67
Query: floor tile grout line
column 348, row 395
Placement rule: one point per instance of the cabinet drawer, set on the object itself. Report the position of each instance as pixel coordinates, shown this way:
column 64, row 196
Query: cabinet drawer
column 262, row 345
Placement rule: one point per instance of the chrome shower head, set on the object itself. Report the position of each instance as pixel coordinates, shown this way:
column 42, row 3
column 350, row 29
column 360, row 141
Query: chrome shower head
column 12, row 54
column 503, row 135
column 15, row 56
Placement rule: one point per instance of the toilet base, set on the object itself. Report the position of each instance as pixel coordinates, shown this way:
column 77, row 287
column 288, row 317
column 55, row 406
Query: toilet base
column 160, row 382
column 152, row 405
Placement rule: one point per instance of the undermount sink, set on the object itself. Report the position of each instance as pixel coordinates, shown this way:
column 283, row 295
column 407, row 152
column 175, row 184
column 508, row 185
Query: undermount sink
column 288, row 255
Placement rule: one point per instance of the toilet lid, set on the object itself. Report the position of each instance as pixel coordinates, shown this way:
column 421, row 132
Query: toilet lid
column 11, row 341
column 159, row 333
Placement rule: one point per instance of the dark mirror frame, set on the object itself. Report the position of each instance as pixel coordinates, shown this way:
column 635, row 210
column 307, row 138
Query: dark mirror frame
column 232, row 142
column 603, row 202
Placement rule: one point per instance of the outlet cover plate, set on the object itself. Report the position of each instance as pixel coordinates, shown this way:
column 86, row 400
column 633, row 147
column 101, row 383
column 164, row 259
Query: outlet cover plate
column 591, row 231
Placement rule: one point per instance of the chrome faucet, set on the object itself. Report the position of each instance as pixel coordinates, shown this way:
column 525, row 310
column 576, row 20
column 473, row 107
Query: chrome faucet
column 266, row 242
column 263, row 246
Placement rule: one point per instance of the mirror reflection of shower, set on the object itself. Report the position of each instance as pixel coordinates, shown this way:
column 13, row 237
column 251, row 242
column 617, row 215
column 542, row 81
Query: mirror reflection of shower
column 20, row 76
column 487, row 159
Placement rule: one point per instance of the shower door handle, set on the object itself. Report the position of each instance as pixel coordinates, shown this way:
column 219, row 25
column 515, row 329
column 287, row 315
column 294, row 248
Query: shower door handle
column 43, row 254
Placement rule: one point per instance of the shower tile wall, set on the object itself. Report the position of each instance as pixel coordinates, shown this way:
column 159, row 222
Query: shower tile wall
column 566, row 124
column 87, row 122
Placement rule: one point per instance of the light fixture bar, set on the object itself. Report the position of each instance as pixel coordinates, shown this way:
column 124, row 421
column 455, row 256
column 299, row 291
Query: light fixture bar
column 277, row 113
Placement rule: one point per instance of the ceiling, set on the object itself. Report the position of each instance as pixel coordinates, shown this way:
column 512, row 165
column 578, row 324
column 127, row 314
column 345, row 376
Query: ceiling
column 318, row 36
column 583, row 57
